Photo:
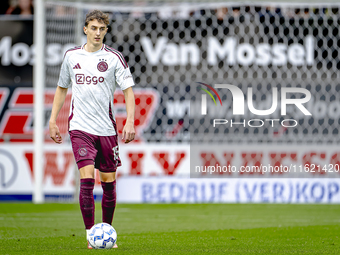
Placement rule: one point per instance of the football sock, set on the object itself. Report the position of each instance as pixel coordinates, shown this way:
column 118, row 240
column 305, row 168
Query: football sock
column 87, row 234
column 108, row 201
column 86, row 201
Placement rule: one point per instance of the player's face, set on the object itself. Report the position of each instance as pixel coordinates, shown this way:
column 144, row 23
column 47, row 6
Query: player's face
column 95, row 32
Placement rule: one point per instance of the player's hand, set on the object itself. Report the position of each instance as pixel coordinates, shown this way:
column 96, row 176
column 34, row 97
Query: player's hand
column 128, row 132
column 54, row 133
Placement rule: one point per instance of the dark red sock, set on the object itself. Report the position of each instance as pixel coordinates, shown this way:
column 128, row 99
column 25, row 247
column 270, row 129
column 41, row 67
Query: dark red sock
column 86, row 201
column 108, row 201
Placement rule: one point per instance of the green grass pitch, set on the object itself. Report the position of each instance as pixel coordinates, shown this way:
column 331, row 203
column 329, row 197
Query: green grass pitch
column 176, row 229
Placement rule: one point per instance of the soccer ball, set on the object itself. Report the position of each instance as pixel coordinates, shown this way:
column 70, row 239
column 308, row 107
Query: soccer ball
column 102, row 236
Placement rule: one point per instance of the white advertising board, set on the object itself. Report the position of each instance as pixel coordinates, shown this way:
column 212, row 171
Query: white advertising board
column 208, row 190
column 160, row 173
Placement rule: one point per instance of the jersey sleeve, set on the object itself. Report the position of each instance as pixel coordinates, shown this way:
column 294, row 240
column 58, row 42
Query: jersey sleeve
column 65, row 77
column 123, row 76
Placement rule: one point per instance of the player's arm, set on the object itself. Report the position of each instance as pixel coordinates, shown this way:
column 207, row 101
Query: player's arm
column 58, row 102
column 129, row 130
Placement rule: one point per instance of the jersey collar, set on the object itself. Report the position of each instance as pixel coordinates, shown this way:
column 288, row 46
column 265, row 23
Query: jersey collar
column 83, row 47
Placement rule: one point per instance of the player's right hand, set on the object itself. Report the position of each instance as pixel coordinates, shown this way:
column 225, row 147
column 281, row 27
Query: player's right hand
column 54, row 133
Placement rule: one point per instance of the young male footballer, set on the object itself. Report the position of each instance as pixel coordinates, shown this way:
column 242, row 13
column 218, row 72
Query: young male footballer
column 94, row 70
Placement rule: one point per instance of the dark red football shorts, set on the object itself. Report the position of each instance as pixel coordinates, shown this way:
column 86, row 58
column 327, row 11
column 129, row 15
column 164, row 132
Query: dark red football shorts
column 100, row 151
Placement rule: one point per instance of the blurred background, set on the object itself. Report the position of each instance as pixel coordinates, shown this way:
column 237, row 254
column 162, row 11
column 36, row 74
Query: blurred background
column 170, row 46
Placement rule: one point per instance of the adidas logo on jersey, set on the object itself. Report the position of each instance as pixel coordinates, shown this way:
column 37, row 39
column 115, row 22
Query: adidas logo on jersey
column 77, row 66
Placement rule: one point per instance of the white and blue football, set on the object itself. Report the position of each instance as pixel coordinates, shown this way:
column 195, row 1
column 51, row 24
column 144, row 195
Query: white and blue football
column 102, row 236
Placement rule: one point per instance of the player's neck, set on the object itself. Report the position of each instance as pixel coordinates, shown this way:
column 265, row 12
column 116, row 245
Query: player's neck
column 92, row 48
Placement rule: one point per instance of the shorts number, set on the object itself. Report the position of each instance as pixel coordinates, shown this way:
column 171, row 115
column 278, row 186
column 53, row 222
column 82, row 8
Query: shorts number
column 115, row 152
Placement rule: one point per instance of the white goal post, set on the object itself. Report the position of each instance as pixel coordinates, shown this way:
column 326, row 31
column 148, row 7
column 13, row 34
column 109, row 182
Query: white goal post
column 39, row 85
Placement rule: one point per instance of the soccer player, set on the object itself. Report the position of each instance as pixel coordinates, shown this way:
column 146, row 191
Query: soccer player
column 93, row 70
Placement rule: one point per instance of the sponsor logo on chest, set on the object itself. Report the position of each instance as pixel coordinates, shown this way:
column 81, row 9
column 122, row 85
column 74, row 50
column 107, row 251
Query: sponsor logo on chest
column 82, row 78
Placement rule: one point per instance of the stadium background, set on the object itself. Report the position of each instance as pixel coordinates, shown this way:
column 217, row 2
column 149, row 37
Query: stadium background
column 170, row 47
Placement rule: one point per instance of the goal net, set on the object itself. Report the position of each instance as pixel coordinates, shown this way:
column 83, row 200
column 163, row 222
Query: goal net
column 172, row 48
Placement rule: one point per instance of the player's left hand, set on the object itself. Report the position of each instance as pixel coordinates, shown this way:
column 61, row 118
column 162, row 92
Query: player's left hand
column 128, row 132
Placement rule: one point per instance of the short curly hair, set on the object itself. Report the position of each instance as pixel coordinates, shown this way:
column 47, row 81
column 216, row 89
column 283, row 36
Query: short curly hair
column 98, row 15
